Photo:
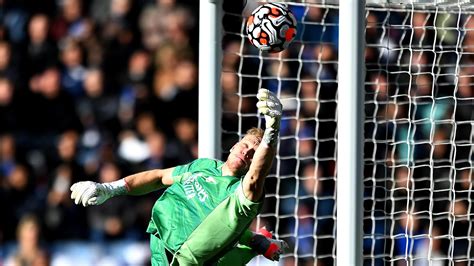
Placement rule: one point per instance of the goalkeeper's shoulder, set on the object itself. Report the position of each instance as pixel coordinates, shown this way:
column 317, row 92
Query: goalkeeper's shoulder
column 207, row 162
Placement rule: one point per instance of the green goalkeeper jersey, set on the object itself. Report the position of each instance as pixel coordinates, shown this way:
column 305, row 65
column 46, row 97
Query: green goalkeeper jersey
column 198, row 189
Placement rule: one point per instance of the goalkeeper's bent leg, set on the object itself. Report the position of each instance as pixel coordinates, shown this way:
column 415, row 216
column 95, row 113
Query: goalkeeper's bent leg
column 222, row 228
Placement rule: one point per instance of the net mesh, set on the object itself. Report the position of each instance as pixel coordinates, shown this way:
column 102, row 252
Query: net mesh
column 418, row 137
column 418, row 151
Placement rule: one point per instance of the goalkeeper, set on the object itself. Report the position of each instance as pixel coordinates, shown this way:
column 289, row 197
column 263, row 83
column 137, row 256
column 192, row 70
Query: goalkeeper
column 203, row 215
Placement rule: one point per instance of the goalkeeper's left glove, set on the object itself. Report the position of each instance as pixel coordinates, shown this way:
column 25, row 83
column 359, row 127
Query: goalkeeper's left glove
column 270, row 106
column 264, row 243
column 91, row 193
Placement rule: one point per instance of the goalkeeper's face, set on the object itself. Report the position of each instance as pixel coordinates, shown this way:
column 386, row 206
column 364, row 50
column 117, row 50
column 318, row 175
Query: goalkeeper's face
column 241, row 154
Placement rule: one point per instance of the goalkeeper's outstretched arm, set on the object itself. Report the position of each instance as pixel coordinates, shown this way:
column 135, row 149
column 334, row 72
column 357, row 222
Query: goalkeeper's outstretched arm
column 149, row 181
column 270, row 106
column 91, row 193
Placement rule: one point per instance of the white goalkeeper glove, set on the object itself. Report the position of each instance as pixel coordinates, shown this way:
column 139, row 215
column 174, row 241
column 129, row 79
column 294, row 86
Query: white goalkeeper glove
column 90, row 193
column 270, row 106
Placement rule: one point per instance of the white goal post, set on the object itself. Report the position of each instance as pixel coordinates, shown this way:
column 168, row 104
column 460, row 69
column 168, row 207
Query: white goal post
column 384, row 88
column 209, row 143
column 350, row 123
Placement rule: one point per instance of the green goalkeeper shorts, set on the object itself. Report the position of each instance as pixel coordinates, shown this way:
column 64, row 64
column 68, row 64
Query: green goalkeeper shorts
column 218, row 234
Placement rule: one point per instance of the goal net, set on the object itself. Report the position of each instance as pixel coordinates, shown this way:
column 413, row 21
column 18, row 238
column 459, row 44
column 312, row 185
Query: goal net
column 419, row 130
column 418, row 135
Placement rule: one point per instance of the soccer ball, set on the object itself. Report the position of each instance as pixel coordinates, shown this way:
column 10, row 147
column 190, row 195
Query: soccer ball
column 271, row 27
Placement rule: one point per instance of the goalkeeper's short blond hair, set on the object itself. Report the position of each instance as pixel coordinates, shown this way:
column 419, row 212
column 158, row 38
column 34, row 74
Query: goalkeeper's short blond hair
column 257, row 132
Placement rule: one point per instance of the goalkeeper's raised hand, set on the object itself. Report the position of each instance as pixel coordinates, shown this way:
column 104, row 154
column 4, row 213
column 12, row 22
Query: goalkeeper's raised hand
column 90, row 193
column 270, row 106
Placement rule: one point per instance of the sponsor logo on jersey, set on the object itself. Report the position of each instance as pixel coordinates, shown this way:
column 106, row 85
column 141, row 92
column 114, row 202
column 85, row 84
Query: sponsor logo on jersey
column 192, row 187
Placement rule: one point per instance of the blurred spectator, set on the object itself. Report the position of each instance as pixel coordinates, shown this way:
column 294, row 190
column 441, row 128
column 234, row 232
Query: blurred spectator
column 8, row 68
column 40, row 52
column 70, row 21
column 408, row 240
column 179, row 23
column 465, row 181
column 186, row 80
column 372, row 38
column 185, row 147
column 230, row 58
column 403, row 184
column 322, row 68
column 167, row 56
column 461, row 227
column 463, row 115
column 67, row 153
column 138, row 68
column 423, row 32
column 93, row 50
column 63, row 220
column 113, row 219
column 53, row 113
column 30, row 251
column 172, row 91
column 98, row 108
column 23, row 197
column 72, row 76
column 309, row 94
column 145, row 124
column 318, row 25
column 379, row 89
column 159, row 159
column 165, row 91
column 54, row 106
column 279, row 72
column 153, row 29
column 231, row 104
column 305, row 233
column 230, row 99
column 7, row 106
column 99, row 10
column 135, row 85
column 430, row 251
column 8, row 156
column 310, row 179
column 421, row 62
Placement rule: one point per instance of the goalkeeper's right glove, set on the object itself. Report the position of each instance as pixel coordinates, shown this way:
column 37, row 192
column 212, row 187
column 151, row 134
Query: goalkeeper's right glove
column 91, row 193
column 270, row 106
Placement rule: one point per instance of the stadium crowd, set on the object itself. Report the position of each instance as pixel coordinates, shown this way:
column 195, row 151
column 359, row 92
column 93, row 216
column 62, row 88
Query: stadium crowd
column 96, row 90
column 91, row 90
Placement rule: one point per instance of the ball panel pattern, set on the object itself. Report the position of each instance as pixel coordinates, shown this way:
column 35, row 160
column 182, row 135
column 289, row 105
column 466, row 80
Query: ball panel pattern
column 271, row 27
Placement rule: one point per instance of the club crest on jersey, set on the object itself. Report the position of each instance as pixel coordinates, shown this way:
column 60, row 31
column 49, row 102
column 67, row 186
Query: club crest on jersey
column 192, row 187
